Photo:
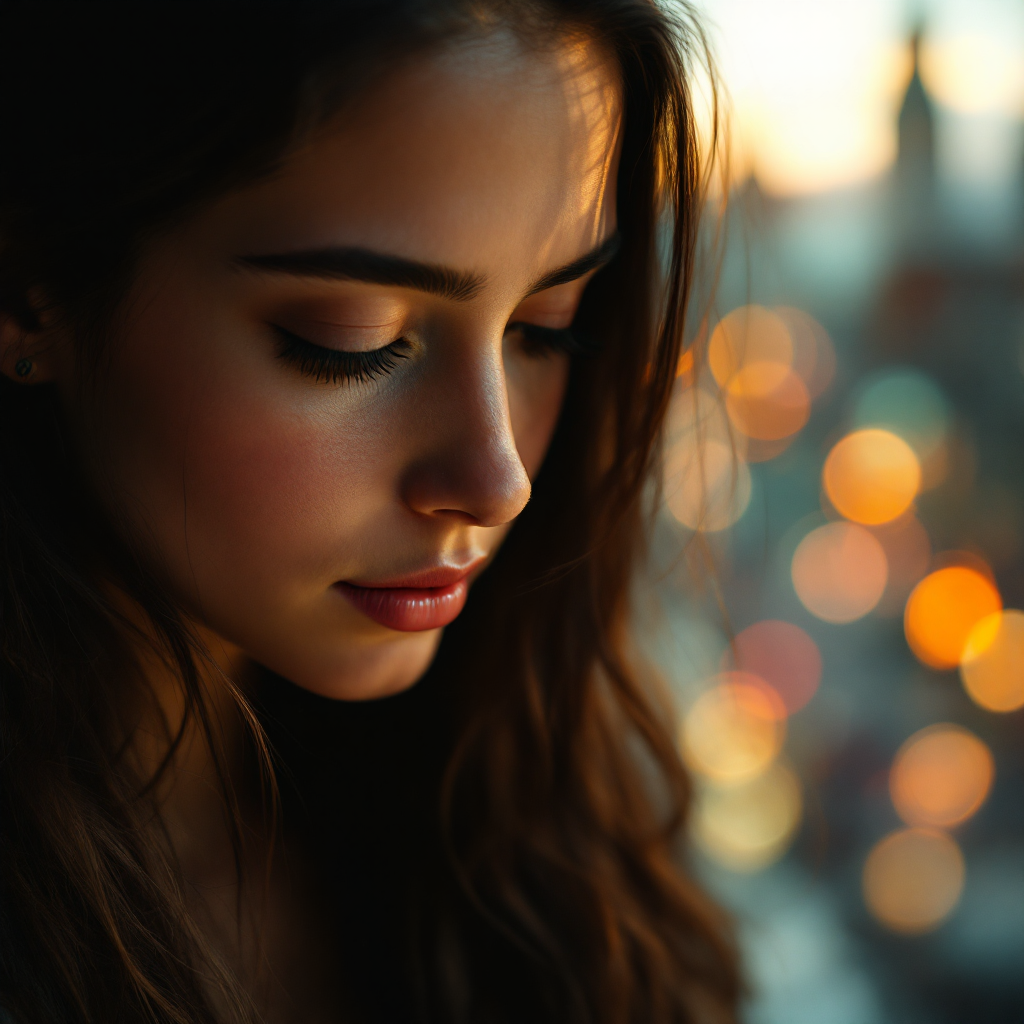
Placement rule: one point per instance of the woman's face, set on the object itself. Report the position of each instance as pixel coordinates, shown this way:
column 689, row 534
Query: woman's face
column 320, row 413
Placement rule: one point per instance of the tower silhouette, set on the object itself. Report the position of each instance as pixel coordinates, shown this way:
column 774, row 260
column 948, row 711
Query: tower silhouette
column 914, row 198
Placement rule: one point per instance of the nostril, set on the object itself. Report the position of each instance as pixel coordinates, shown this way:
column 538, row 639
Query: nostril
column 469, row 485
column 466, row 461
column 455, row 514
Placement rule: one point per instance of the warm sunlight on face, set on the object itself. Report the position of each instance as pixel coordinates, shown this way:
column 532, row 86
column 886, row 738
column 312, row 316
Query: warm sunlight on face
column 333, row 389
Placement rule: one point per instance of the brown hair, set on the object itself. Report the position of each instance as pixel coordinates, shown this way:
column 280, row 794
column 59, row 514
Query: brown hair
column 545, row 885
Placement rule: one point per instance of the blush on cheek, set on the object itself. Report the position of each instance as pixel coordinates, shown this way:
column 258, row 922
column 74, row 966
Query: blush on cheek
column 232, row 467
column 227, row 487
column 289, row 493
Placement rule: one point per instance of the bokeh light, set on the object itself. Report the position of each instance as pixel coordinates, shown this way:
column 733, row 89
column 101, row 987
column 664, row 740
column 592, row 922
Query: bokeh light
column 915, row 274
column 784, row 656
column 751, row 355
column 992, row 665
column 696, row 415
column 764, row 405
column 748, row 826
column 913, row 879
column 765, row 451
column 706, row 479
column 707, row 487
column 839, row 572
column 871, row 476
column 943, row 609
column 749, row 335
column 814, row 357
column 684, row 368
column 941, row 776
column 910, row 404
column 734, row 730
column 975, row 73
column 908, row 551
column 803, row 139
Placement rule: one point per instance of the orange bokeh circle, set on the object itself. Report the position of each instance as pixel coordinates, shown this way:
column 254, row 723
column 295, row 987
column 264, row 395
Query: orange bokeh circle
column 913, row 878
column 748, row 335
column 767, row 401
column 871, row 476
column 839, row 572
column 943, row 609
column 941, row 776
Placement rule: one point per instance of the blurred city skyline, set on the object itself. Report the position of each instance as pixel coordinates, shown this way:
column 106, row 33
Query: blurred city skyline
column 843, row 632
column 814, row 87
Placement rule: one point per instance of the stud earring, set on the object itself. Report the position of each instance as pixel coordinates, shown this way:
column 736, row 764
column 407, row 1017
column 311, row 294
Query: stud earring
column 23, row 367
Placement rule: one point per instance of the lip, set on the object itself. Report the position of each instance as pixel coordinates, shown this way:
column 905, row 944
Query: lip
column 410, row 604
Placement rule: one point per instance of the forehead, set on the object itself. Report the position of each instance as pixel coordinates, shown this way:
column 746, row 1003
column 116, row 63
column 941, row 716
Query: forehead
column 470, row 157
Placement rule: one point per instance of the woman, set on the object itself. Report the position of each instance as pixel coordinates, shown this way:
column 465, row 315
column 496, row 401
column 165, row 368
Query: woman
column 336, row 349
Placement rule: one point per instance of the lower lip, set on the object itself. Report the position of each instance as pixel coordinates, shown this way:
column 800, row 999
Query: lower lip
column 409, row 609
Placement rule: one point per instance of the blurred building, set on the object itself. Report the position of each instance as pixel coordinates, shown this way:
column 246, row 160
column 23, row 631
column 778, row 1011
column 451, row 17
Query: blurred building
column 915, row 212
column 926, row 319
column 956, row 310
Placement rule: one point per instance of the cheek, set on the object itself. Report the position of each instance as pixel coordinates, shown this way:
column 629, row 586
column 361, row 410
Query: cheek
column 536, row 388
column 261, row 478
column 215, row 436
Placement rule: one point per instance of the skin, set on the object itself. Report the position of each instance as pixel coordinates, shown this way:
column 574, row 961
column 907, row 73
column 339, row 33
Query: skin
column 254, row 487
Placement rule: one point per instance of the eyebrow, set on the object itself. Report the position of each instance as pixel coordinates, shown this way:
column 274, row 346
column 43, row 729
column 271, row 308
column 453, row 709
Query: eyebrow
column 339, row 264
column 347, row 264
column 597, row 257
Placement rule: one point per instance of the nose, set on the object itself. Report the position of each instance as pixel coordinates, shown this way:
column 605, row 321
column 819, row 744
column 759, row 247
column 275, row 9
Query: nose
column 467, row 464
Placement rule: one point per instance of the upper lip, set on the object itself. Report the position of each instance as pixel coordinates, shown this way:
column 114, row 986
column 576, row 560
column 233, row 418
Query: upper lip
column 435, row 577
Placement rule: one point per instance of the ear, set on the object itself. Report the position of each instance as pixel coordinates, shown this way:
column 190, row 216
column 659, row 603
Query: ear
column 27, row 355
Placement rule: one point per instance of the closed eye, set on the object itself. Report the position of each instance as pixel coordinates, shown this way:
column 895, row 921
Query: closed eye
column 539, row 340
column 336, row 366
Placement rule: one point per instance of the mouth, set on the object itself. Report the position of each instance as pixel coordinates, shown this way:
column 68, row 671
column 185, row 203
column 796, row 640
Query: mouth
column 414, row 603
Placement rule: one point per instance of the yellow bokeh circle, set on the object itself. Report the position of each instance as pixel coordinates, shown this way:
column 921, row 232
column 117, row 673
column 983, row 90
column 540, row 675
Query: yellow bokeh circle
column 992, row 664
column 749, row 826
column 734, row 730
column 707, row 485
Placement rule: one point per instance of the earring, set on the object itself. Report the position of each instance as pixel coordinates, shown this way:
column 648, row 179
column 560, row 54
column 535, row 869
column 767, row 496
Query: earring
column 23, row 367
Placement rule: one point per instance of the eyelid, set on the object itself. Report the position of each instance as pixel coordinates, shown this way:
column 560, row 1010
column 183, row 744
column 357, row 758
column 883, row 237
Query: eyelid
column 357, row 319
column 336, row 366
column 554, row 307
column 382, row 325
column 342, row 337
column 555, row 321
column 554, row 318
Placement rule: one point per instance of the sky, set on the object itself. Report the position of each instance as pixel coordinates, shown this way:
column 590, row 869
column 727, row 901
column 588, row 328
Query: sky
column 814, row 86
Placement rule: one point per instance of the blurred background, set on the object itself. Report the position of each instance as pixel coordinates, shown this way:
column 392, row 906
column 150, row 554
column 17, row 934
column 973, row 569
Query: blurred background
column 838, row 579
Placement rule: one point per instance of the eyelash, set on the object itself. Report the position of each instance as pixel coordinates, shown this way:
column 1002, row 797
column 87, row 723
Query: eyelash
column 552, row 339
column 336, row 366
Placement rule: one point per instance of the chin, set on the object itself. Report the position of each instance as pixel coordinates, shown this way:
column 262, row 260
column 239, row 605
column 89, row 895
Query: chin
column 386, row 668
